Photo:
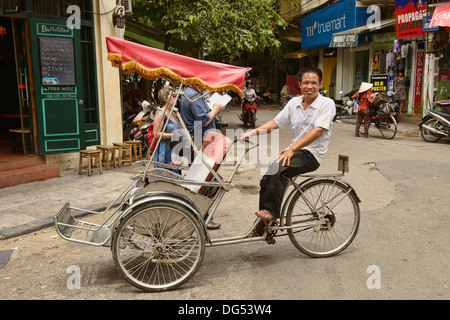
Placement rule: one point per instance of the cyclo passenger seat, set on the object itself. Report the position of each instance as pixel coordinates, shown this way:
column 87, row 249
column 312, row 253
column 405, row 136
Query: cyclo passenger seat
column 214, row 149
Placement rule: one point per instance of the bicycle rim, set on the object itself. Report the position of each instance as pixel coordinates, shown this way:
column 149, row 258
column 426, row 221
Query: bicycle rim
column 339, row 208
column 388, row 127
column 159, row 247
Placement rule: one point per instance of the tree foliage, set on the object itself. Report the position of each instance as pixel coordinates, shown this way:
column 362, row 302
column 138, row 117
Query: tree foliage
column 224, row 29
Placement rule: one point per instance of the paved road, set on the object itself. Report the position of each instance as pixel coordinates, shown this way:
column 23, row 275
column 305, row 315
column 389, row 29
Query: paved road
column 400, row 252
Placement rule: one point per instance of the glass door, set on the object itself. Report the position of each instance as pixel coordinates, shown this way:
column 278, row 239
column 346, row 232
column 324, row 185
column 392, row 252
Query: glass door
column 361, row 66
column 22, row 76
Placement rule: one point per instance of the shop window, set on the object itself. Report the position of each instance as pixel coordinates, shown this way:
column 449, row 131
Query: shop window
column 361, row 67
column 87, row 51
column 58, row 8
column 11, row 5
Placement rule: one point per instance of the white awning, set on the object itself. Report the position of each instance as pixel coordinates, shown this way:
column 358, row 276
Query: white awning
column 349, row 38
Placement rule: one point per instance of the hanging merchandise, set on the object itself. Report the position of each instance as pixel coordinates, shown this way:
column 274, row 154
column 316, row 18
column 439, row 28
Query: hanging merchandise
column 404, row 50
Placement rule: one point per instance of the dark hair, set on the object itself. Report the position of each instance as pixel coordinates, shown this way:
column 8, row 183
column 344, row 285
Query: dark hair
column 310, row 70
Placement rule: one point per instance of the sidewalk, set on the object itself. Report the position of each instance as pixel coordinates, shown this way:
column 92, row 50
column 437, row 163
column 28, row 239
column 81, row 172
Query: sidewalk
column 29, row 207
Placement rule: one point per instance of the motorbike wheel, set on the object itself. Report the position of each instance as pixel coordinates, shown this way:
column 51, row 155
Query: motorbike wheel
column 426, row 134
column 252, row 120
column 133, row 128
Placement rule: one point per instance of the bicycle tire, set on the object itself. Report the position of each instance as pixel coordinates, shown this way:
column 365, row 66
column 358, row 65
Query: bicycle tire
column 252, row 117
column 158, row 246
column 336, row 231
column 388, row 127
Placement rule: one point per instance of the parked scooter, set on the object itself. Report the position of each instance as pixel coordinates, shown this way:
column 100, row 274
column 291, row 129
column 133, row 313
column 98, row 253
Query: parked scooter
column 249, row 108
column 146, row 116
column 344, row 107
column 436, row 124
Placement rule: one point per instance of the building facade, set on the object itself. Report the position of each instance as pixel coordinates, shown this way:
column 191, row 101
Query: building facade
column 356, row 41
column 58, row 86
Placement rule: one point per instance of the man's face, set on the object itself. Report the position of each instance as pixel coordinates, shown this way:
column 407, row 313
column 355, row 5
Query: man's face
column 310, row 85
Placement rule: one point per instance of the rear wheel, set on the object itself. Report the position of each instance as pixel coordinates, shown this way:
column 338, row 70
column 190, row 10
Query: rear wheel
column 427, row 135
column 159, row 246
column 327, row 216
column 388, row 126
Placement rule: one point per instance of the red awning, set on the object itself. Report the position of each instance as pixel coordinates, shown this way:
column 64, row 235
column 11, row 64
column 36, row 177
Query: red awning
column 441, row 16
column 151, row 63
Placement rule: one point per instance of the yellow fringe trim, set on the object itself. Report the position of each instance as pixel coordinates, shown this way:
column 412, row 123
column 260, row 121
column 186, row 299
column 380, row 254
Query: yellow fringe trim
column 152, row 74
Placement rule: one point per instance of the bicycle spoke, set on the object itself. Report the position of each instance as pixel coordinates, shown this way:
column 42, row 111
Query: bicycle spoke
column 334, row 212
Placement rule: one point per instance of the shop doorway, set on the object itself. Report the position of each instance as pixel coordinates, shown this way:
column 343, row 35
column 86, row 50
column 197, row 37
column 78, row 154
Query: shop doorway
column 361, row 66
column 15, row 116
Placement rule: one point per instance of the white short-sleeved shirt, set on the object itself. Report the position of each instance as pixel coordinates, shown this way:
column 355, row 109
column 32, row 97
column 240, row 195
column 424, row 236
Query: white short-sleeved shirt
column 319, row 114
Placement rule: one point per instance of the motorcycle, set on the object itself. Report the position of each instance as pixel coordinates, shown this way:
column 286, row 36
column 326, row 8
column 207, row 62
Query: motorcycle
column 344, row 108
column 285, row 98
column 436, row 124
column 249, row 108
column 146, row 116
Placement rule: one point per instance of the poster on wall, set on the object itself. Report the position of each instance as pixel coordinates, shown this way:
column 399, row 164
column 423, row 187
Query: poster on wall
column 379, row 82
column 409, row 15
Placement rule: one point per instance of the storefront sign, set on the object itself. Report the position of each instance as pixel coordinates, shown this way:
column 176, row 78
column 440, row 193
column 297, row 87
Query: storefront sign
column 383, row 41
column 409, row 14
column 345, row 40
column 426, row 25
column 54, row 30
column 319, row 26
column 418, row 84
column 379, row 82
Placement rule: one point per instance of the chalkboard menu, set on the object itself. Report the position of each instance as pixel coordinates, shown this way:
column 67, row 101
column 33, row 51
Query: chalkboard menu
column 57, row 61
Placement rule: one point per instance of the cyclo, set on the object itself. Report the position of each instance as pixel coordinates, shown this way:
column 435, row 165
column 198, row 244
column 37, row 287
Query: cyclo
column 157, row 233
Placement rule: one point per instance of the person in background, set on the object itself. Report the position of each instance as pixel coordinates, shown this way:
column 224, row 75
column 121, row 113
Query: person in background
column 198, row 117
column 364, row 98
column 400, row 90
column 163, row 153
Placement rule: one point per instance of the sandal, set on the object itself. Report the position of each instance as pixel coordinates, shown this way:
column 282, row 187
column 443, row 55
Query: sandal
column 265, row 215
column 258, row 231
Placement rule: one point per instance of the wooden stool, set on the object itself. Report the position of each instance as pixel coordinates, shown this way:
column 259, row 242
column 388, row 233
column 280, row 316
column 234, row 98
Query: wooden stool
column 108, row 155
column 125, row 152
column 19, row 132
column 137, row 149
column 90, row 155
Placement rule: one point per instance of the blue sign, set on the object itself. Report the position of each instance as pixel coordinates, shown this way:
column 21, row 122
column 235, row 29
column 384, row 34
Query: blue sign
column 50, row 81
column 426, row 25
column 319, row 26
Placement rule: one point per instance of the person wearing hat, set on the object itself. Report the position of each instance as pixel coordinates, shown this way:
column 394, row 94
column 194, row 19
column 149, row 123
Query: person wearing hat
column 363, row 109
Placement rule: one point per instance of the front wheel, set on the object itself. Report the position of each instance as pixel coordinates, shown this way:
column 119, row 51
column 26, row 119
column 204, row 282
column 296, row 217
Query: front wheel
column 252, row 117
column 324, row 217
column 388, row 126
column 158, row 246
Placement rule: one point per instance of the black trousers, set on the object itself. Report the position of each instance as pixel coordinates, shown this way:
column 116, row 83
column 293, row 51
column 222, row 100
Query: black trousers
column 274, row 182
